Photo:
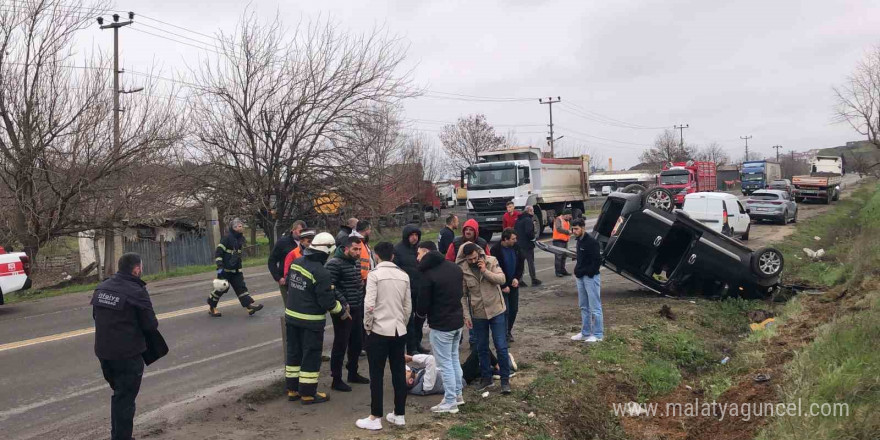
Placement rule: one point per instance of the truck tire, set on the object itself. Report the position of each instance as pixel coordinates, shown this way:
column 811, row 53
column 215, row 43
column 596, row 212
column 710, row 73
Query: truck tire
column 659, row 198
column 767, row 262
column 828, row 198
column 576, row 213
column 633, row 188
column 836, row 196
column 745, row 236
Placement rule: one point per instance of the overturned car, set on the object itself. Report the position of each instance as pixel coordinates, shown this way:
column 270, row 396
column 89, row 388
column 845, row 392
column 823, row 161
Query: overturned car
column 673, row 254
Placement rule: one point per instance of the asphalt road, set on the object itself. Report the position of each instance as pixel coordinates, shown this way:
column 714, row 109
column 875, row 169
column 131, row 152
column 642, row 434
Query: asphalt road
column 52, row 383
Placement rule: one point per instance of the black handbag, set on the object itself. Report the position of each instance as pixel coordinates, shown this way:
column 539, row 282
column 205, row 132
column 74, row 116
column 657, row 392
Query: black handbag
column 156, row 346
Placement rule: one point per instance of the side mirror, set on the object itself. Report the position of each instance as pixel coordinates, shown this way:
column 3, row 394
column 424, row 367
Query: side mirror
column 748, row 211
column 527, row 180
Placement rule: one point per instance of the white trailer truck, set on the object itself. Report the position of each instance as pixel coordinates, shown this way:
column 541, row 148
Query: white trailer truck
column 524, row 176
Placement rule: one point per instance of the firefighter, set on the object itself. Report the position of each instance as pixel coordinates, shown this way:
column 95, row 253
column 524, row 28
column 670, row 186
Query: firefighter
column 309, row 297
column 229, row 274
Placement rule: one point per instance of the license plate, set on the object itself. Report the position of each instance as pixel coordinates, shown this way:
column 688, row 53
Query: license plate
column 492, row 219
column 762, row 209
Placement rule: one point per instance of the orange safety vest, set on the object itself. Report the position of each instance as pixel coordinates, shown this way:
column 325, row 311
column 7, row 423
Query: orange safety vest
column 366, row 261
column 560, row 236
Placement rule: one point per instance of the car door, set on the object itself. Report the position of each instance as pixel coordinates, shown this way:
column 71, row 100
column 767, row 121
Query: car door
column 742, row 218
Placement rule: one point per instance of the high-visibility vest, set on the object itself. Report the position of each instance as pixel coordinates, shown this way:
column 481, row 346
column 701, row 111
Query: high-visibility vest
column 367, row 263
column 560, row 236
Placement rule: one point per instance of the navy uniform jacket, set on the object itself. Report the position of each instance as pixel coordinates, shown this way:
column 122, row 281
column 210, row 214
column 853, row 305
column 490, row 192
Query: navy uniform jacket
column 123, row 313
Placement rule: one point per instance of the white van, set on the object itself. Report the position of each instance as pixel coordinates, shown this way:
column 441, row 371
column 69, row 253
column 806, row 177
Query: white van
column 607, row 189
column 721, row 212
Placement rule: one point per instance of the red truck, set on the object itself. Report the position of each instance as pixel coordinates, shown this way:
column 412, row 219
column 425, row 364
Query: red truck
column 679, row 179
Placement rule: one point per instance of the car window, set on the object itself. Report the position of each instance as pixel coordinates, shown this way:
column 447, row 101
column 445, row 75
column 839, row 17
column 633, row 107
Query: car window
column 742, row 210
column 764, row 196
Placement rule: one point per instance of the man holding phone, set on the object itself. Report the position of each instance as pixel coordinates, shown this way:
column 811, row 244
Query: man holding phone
column 484, row 308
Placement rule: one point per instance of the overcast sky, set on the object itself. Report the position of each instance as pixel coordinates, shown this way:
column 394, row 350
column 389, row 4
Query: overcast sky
column 728, row 69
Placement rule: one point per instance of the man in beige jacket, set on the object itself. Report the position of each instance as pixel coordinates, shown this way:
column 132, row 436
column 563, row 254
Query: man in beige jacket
column 387, row 308
column 484, row 308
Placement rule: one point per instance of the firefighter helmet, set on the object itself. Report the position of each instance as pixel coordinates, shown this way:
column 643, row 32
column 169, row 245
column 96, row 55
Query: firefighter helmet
column 221, row 285
column 323, row 242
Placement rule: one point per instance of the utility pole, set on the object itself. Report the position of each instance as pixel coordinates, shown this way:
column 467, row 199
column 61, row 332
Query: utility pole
column 109, row 234
column 116, row 91
column 681, row 128
column 747, row 144
column 777, row 147
column 550, row 101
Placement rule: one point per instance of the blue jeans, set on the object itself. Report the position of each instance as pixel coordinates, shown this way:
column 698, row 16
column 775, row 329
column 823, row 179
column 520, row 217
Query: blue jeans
column 445, row 346
column 498, row 327
column 591, row 306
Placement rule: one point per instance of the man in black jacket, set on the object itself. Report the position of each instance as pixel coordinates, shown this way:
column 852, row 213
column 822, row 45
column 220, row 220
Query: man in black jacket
column 123, row 313
column 345, row 274
column 345, row 230
column 511, row 260
column 447, row 234
column 586, row 272
column 228, row 256
column 405, row 257
column 283, row 246
column 309, row 297
column 525, row 231
column 440, row 302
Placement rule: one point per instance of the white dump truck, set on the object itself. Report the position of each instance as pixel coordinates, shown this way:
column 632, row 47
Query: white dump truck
column 823, row 182
column 526, row 177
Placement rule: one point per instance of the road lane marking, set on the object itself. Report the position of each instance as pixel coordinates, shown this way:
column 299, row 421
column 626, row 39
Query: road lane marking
column 161, row 316
column 25, row 408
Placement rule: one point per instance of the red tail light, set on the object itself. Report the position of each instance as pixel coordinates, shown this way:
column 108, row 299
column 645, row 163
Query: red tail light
column 724, row 216
column 776, row 203
column 26, row 264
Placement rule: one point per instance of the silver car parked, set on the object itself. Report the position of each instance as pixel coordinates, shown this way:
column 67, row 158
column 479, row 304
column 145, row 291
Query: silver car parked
column 772, row 204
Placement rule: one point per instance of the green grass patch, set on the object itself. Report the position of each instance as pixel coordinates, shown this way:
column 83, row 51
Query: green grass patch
column 657, row 377
column 466, row 431
column 730, row 316
column 680, row 346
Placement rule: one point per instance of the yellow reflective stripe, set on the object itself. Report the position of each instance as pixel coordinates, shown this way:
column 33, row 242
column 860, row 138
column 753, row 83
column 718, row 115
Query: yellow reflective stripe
column 337, row 308
column 291, row 374
column 303, row 380
column 221, row 246
column 304, row 316
column 291, row 368
column 303, row 271
column 309, row 374
column 218, row 259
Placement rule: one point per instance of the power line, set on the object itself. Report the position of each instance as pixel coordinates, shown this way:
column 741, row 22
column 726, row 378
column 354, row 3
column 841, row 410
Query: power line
column 681, row 128
column 173, row 33
column 598, row 117
column 602, row 138
column 176, row 41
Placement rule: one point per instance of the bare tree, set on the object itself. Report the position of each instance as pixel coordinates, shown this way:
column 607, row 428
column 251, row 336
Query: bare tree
column 667, row 149
column 858, row 98
column 467, row 138
column 270, row 107
column 713, row 152
column 56, row 156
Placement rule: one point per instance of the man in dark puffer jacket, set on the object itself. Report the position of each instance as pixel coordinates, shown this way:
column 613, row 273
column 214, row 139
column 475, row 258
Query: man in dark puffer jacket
column 345, row 273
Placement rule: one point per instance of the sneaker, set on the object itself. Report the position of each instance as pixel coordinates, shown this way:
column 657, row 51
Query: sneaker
column 536, row 283
column 498, row 376
column 566, row 273
column 395, row 419
column 443, row 407
column 592, row 339
column 254, row 308
column 485, row 383
column 369, row 424
column 459, row 400
column 505, row 386
column 339, row 385
column 317, row 398
column 292, row 396
column 579, row 337
column 513, row 365
column 357, row 378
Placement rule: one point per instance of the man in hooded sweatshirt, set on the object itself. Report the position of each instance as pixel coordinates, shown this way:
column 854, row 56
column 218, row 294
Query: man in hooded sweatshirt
column 228, row 259
column 470, row 233
column 405, row 256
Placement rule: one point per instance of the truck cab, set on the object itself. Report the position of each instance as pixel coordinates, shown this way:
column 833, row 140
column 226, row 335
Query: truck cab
column 757, row 175
column 683, row 178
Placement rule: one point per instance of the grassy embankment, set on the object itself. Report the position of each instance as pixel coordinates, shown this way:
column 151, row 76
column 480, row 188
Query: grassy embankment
column 651, row 359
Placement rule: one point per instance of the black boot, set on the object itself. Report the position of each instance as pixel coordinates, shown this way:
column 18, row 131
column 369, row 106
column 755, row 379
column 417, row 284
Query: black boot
column 536, row 283
column 357, row 378
column 339, row 385
column 505, row 386
column 254, row 308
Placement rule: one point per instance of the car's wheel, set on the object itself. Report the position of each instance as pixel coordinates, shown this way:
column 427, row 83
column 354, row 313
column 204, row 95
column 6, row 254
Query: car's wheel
column 767, row 262
column 659, row 198
column 486, row 235
column 836, row 196
column 745, row 236
column 794, row 218
column 784, row 219
column 634, row 188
